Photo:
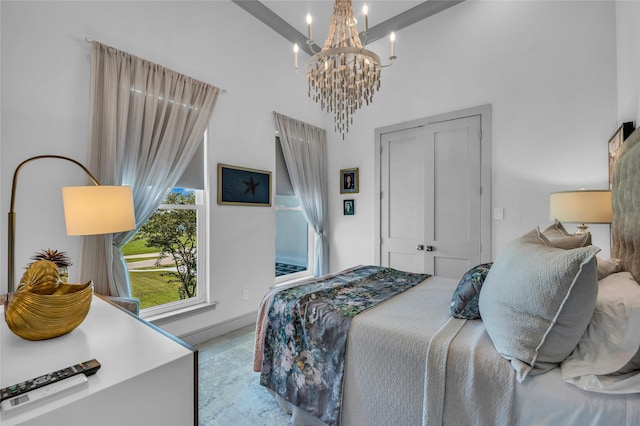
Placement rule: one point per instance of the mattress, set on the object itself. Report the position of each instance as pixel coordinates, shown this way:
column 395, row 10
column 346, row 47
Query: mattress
column 385, row 371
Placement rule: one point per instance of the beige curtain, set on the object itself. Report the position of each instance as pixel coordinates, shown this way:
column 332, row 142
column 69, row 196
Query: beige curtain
column 305, row 153
column 146, row 123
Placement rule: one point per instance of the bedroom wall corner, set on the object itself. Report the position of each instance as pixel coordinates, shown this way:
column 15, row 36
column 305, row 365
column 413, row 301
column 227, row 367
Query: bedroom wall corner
column 628, row 60
column 45, row 80
column 3, row 289
column 552, row 88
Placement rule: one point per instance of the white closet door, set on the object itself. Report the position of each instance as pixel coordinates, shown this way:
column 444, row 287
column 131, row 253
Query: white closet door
column 430, row 207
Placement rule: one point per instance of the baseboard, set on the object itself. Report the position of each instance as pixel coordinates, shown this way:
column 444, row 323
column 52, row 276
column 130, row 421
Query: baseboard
column 207, row 333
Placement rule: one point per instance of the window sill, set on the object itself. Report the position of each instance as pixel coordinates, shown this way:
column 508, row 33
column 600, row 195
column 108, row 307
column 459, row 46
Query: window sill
column 179, row 313
column 297, row 278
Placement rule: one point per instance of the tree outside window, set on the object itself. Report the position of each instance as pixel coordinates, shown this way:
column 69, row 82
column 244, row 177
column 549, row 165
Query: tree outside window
column 162, row 257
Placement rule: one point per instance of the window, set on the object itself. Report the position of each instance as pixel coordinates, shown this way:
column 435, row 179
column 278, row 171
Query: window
column 166, row 257
column 294, row 238
column 163, row 258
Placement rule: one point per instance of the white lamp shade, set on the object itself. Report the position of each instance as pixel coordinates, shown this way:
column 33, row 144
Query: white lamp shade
column 584, row 206
column 99, row 209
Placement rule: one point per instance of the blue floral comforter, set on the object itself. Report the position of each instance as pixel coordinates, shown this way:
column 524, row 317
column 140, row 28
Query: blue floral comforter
column 306, row 334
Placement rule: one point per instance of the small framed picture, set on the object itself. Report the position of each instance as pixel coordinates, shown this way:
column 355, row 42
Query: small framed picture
column 240, row 186
column 349, row 207
column 349, row 182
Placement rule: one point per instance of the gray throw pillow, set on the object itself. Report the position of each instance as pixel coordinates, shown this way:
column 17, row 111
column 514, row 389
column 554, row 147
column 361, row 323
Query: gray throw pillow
column 537, row 301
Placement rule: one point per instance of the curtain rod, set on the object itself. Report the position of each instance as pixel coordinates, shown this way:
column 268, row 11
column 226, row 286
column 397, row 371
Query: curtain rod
column 91, row 40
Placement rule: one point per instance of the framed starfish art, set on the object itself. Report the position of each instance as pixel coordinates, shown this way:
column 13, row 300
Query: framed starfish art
column 241, row 186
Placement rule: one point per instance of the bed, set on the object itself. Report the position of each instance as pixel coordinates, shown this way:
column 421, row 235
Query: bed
column 549, row 333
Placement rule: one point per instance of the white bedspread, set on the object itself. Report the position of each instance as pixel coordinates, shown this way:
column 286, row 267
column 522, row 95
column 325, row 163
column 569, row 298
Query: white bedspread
column 386, row 350
column 384, row 381
column 381, row 392
column 479, row 384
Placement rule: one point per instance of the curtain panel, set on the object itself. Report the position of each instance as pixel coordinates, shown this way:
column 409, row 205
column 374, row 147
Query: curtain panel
column 146, row 123
column 305, row 153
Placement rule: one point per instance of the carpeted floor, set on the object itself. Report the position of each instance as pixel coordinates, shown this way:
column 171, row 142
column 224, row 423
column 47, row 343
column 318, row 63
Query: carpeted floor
column 230, row 393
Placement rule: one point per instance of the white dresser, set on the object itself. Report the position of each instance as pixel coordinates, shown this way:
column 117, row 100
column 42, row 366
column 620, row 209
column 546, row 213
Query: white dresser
column 147, row 377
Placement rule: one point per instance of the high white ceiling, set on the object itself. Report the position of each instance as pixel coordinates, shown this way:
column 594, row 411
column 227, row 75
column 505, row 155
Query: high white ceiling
column 295, row 13
column 288, row 18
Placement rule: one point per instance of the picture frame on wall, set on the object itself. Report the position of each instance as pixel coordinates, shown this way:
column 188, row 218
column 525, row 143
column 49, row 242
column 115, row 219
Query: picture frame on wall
column 242, row 186
column 349, row 207
column 349, row 181
column 615, row 145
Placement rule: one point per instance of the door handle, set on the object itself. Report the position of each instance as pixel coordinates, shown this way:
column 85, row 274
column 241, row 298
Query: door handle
column 430, row 248
column 425, row 248
column 420, row 247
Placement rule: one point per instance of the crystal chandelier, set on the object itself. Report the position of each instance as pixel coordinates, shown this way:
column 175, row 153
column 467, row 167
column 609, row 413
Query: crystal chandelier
column 343, row 76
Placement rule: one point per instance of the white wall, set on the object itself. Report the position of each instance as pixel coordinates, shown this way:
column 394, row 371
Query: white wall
column 45, row 98
column 628, row 41
column 548, row 69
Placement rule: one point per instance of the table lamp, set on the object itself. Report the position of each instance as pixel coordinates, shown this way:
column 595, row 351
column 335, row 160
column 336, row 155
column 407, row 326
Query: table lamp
column 583, row 206
column 88, row 210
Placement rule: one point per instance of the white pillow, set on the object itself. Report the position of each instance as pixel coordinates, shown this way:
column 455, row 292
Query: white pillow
column 611, row 340
column 537, row 300
column 607, row 267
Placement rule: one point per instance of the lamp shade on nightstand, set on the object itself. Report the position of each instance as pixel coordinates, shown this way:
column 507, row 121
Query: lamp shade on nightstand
column 100, row 209
column 584, row 206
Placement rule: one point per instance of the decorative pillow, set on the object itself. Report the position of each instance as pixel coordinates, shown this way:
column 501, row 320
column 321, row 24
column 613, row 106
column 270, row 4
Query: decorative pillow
column 572, row 241
column 608, row 351
column 464, row 304
column 559, row 237
column 608, row 267
column 556, row 230
column 537, row 301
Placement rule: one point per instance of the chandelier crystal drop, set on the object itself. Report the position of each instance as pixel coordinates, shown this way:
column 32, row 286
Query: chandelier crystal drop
column 343, row 76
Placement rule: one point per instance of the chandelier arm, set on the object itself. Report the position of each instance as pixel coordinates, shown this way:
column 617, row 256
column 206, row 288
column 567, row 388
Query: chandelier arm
column 343, row 76
column 338, row 50
column 391, row 59
column 311, row 45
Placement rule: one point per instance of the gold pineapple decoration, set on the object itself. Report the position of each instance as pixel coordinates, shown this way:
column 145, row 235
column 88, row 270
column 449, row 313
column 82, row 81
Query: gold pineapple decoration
column 60, row 258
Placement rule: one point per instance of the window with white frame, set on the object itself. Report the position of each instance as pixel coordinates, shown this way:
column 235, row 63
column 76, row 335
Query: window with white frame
column 166, row 257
